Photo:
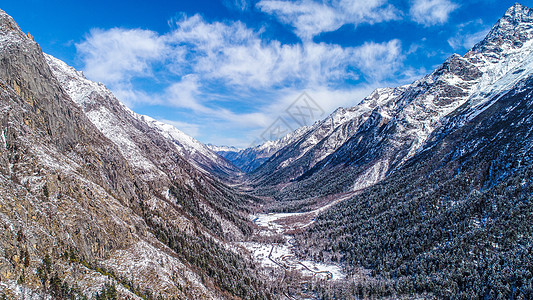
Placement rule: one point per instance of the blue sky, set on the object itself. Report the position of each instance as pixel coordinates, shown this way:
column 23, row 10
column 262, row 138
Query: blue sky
column 225, row 71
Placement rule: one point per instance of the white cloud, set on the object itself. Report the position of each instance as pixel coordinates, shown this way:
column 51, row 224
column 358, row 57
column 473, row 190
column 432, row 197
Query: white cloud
column 327, row 99
column 310, row 18
column 202, row 65
column 118, row 54
column 431, row 12
column 232, row 54
column 238, row 56
column 379, row 60
column 185, row 94
column 132, row 96
column 467, row 41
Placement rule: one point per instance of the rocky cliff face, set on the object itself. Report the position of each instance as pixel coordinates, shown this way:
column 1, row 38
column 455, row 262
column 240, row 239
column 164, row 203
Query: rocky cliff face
column 91, row 194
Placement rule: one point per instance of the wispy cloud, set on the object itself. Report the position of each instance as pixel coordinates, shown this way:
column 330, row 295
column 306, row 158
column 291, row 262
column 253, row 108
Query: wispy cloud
column 232, row 54
column 310, row 18
column 239, row 56
column 239, row 5
column 378, row 60
column 185, row 93
column 431, row 12
column 468, row 34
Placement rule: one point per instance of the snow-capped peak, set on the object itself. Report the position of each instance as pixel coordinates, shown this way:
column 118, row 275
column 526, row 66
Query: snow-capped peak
column 10, row 32
column 519, row 13
column 406, row 116
column 186, row 144
column 511, row 31
column 223, row 148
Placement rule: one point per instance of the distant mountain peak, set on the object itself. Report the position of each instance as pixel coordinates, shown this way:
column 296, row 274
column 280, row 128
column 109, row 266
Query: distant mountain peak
column 223, row 148
column 511, row 31
column 3, row 15
column 517, row 11
column 392, row 124
column 515, row 16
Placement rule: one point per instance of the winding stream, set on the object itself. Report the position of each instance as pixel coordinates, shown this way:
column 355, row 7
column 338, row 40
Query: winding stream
column 281, row 255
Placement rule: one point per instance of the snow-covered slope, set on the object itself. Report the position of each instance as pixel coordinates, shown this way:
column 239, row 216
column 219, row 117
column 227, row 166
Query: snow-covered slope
column 114, row 119
column 391, row 125
column 471, row 190
column 505, row 57
column 471, row 180
column 196, row 152
column 303, row 151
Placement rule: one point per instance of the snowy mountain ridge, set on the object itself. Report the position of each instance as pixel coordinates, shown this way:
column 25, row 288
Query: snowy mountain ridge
column 423, row 189
column 104, row 110
column 391, row 125
column 223, row 148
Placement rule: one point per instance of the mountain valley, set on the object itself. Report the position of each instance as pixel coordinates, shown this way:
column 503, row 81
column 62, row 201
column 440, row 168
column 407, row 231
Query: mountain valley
column 421, row 191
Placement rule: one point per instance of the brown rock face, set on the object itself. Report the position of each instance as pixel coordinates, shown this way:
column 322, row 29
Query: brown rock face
column 75, row 211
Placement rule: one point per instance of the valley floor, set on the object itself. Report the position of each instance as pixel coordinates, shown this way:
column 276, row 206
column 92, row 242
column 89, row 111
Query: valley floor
column 274, row 248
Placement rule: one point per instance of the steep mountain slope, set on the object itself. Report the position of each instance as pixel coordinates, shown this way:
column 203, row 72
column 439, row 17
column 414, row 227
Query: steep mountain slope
column 453, row 220
column 303, row 151
column 84, row 203
column 103, row 108
column 194, row 151
column 397, row 126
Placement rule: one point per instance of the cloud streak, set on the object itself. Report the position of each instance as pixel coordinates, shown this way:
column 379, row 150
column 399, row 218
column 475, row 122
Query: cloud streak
column 468, row 34
column 232, row 54
column 310, row 18
column 431, row 12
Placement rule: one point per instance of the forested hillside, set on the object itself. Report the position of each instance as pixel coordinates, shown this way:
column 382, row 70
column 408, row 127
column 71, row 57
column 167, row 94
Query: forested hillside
column 454, row 221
